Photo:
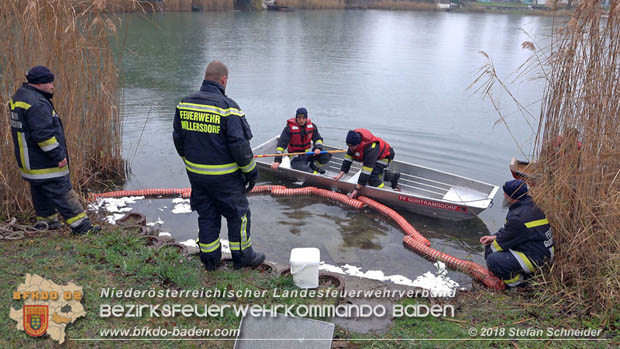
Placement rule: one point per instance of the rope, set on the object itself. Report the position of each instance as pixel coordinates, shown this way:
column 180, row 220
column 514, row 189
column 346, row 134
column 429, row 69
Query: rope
column 10, row 230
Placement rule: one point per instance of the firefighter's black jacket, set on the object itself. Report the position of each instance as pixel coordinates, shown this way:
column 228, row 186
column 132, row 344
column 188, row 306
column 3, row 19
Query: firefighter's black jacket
column 211, row 133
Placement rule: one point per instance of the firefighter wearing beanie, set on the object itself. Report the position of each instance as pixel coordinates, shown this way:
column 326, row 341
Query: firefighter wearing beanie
column 524, row 243
column 302, row 135
column 41, row 154
column 375, row 154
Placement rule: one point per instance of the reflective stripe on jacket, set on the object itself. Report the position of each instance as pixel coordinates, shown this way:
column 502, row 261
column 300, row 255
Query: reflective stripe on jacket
column 526, row 234
column 211, row 133
column 38, row 135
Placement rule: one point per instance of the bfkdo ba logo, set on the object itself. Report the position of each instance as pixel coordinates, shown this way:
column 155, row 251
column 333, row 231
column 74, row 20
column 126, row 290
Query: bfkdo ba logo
column 48, row 308
column 36, row 319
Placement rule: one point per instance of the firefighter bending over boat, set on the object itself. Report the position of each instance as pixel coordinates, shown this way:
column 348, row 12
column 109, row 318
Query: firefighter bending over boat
column 375, row 155
column 212, row 137
column 42, row 156
column 524, row 243
column 299, row 135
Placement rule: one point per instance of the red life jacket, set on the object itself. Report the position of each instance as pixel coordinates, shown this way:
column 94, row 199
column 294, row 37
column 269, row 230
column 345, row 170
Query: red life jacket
column 367, row 140
column 301, row 136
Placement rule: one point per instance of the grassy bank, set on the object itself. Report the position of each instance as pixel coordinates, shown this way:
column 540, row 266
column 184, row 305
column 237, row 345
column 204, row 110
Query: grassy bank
column 403, row 5
column 116, row 259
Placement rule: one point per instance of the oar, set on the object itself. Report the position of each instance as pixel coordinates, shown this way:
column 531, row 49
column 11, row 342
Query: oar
column 300, row 153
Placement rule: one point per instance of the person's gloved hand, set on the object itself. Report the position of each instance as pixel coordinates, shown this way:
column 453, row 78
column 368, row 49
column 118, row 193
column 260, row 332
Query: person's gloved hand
column 249, row 179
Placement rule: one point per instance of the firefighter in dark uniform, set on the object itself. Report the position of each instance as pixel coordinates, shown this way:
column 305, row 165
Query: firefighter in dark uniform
column 212, row 137
column 375, row 155
column 299, row 135
column 41, row 153
column 524, row 243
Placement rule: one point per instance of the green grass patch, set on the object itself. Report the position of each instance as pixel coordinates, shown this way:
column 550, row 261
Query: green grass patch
column 501, row 4
column 504, row 318
column 115, row 259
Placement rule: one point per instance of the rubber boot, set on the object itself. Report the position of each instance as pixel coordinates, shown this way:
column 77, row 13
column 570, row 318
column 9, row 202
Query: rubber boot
column 211, row 261
column 316, row 170
column 392, row 177
column 85, row 227
column 247, row 258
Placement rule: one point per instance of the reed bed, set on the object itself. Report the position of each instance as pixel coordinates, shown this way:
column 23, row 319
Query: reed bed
column 578, row 187
column 312, row 4
column 71, row 38
column 169, row 5
column 214, row 5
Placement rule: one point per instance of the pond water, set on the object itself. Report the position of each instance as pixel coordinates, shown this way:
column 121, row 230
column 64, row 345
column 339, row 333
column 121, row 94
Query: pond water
column 402, row 75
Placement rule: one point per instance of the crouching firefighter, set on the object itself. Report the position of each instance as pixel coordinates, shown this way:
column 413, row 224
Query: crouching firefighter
column 375, row 154
column 212, row 137
column 41, row 153
column 524, row 243
column 298, row 135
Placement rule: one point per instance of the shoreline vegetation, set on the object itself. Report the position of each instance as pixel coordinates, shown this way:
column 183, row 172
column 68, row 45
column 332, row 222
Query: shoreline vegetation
column 121, row 259
column 60, row 35
column 576, row 161
column 407, row 5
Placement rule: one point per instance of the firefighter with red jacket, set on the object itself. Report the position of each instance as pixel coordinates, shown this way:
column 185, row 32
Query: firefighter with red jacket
column 375, row 155
column 299, row 135
column 212, row 137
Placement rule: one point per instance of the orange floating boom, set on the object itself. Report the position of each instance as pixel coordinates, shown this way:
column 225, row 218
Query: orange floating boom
column 413, row 240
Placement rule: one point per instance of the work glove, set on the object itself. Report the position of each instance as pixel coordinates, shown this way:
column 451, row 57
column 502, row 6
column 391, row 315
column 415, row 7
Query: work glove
column 249, row 179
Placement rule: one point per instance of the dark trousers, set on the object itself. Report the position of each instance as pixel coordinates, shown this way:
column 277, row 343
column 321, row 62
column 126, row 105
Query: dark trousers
column 56, row 195
column 505, row 266
column 377, row 176
column 214, row 196
column 310, row 162
column 378, row 173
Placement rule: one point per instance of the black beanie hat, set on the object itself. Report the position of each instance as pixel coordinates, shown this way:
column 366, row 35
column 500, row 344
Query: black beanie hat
column 39, row 75
column 353, row 138
column 515, row 188
column 301, row 111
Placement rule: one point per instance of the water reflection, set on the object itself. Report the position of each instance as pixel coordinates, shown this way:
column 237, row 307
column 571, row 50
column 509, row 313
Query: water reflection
column 401, row 74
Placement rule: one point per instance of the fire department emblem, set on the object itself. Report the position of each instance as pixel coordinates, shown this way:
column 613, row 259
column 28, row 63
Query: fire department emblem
column 36, row 318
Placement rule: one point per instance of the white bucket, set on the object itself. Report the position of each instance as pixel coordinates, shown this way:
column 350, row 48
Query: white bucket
column 305, row 266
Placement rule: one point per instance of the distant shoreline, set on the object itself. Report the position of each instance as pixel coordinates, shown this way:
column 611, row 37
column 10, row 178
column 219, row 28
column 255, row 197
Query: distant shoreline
column 545, row 13
column 395, row 5
column 293, row 5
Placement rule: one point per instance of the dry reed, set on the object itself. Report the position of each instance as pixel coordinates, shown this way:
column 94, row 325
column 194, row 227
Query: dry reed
column 579, row 187
column 214, row 5
column 312, row 4
column 169, row 5
column 71, row 38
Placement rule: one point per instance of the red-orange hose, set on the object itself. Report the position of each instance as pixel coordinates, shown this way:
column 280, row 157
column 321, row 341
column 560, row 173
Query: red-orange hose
column 337, row 197
column 141, row 192
column 471, row 268
column 412, row 240
column 266, row 188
